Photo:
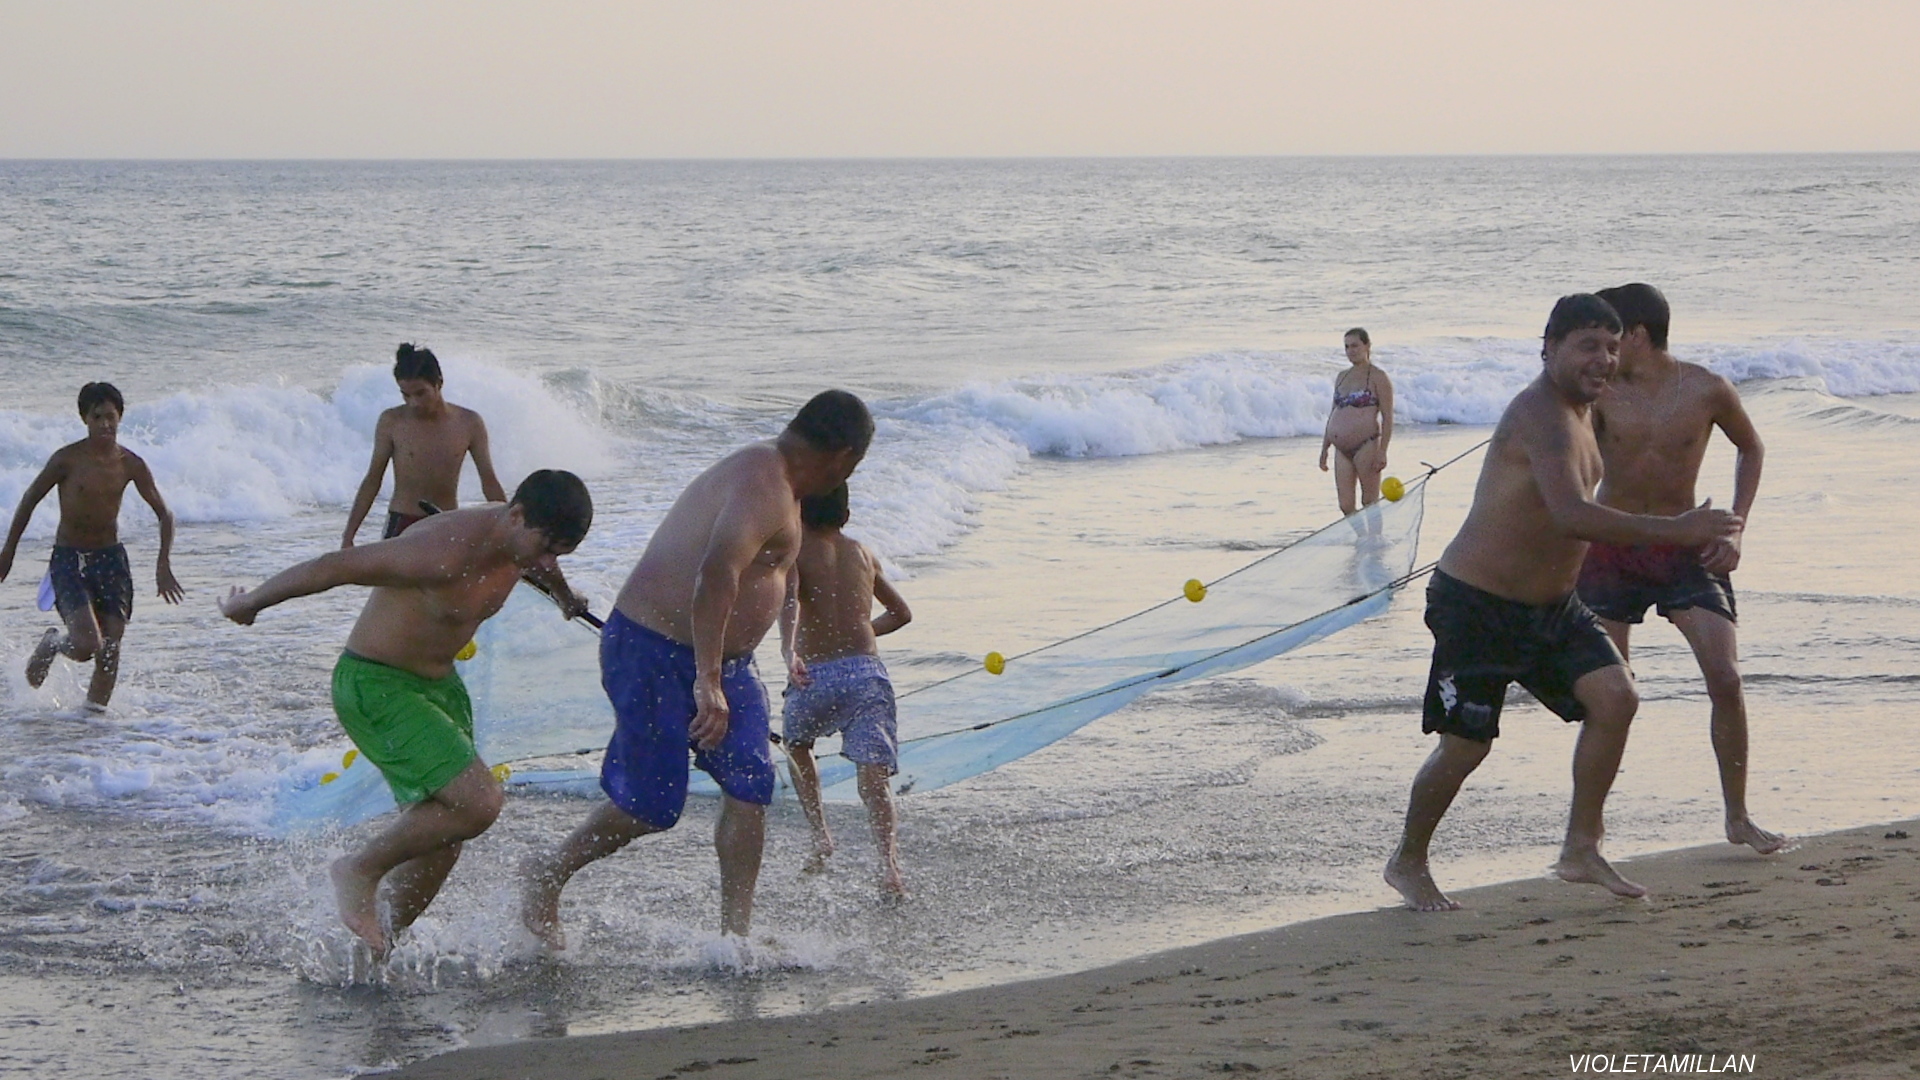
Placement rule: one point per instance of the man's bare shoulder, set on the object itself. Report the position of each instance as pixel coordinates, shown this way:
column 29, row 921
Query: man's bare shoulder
column 390, row 417
column 1531, row 408
column 468, row 418
column 756, row 463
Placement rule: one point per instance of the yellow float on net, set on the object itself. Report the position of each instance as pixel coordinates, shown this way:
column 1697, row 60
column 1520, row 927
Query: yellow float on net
column 347, row 761
column 502, row 771
column 1195, row 590
column 996, row 663
column 1393, row 489
column 467, row 651
column 328, row 778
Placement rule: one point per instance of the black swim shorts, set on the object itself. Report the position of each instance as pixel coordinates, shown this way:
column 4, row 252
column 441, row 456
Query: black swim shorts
column 91, row 577
column 1482, row 642
column 398, row 523
column 1620, row 581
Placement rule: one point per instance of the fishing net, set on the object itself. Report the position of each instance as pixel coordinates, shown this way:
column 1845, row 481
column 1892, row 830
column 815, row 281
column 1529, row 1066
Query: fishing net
column 535, row 680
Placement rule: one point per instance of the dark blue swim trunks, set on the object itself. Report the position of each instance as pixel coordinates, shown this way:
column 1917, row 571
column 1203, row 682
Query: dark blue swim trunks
column 1620, row 581
column 649, row 679
column 99, row 578
column 1483, row 642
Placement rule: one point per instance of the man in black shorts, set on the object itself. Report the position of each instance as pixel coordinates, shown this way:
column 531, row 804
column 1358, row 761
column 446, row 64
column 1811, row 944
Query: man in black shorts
column 1502, row 606
column 1653, row 427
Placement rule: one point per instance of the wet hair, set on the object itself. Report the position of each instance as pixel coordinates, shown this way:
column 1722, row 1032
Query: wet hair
column 1577, row 311
column 834, row 420
column 412, row 363
column 96, row 392
column 827, row 511
column 1640, row 304
column 555, row 502
column 1359, row 332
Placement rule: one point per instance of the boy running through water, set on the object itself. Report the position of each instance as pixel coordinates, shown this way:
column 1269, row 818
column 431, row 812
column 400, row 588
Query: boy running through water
column 837, row 684
column 426, row 439
column 395, row 688
column 92, row 581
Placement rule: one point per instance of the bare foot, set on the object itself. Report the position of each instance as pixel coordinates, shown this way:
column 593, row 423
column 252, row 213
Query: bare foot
column 893, row 886
column 1415, row 885
column 42, row 659
column 817, row 862
column 353, row 893
column 540, row 912
column 1746, row 832
column 1588, row 868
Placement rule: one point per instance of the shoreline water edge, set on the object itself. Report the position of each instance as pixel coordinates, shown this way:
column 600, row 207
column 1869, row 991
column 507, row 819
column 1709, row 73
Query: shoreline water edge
column 1788, row 967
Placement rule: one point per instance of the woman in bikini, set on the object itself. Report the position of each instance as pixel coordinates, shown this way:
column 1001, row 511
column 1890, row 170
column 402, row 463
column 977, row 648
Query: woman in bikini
column 1360, row 425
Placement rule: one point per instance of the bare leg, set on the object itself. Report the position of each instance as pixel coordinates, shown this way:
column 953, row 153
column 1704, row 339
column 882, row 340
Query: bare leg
column 1367, row 466
column 106, row 663
column 41, row 661
column 413, row 884
column 1610, row 700
column 1716, row 647
column 461, row 810
column 806, row 785
column 1344, row 479
column 606, row 830
column 1434, row 788
column 80, row 644
column 875, row 791
column 739, row 838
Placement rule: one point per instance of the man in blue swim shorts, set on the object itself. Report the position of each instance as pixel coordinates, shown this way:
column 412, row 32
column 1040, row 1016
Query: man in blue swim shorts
column 677, row 658
column 836, row 682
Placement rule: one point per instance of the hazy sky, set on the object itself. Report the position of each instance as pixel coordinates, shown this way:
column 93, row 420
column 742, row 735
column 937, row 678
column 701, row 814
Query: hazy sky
column 759, row 78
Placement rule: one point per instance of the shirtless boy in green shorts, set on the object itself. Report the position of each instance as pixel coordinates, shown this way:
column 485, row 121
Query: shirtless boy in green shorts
column 92, row 584
column 395, row 688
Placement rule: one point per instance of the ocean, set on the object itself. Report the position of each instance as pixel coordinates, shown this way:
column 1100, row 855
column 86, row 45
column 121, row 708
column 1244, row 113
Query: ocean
column 1093, row 380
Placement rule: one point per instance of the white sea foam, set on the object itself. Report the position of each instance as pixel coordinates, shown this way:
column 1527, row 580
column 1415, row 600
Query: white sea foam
column 252, row 453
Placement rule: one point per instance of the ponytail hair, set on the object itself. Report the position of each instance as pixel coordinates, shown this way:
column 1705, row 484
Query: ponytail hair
column 412, row 363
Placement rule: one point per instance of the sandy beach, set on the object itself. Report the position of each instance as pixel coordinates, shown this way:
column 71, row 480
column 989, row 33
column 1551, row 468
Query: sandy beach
column 1799, row 966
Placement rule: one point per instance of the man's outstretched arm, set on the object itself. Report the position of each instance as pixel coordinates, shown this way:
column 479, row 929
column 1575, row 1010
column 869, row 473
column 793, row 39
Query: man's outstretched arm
column 403, row 562
column 1550, row 455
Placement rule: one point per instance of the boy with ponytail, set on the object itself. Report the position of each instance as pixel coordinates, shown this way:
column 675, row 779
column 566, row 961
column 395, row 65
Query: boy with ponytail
column 426, row 439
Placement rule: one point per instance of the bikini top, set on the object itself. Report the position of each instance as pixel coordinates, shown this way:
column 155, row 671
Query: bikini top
column 1357, row 399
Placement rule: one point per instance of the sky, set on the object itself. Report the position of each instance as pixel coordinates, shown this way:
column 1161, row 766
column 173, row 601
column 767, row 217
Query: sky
column 961, row 78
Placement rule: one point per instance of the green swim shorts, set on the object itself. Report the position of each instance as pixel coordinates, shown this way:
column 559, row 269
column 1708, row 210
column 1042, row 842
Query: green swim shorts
column 418, row 732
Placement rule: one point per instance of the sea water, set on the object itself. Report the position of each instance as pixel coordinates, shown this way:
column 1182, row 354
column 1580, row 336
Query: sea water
column 1093, row 380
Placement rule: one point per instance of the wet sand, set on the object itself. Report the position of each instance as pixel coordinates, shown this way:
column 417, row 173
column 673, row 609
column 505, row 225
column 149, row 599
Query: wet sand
column 1804, row 961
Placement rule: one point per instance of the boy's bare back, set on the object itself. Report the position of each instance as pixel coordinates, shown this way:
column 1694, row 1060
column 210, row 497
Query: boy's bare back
column 835, row 592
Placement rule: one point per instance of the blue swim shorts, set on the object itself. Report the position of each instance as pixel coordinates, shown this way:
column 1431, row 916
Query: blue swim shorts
column 649, row 679
column 850, row 696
